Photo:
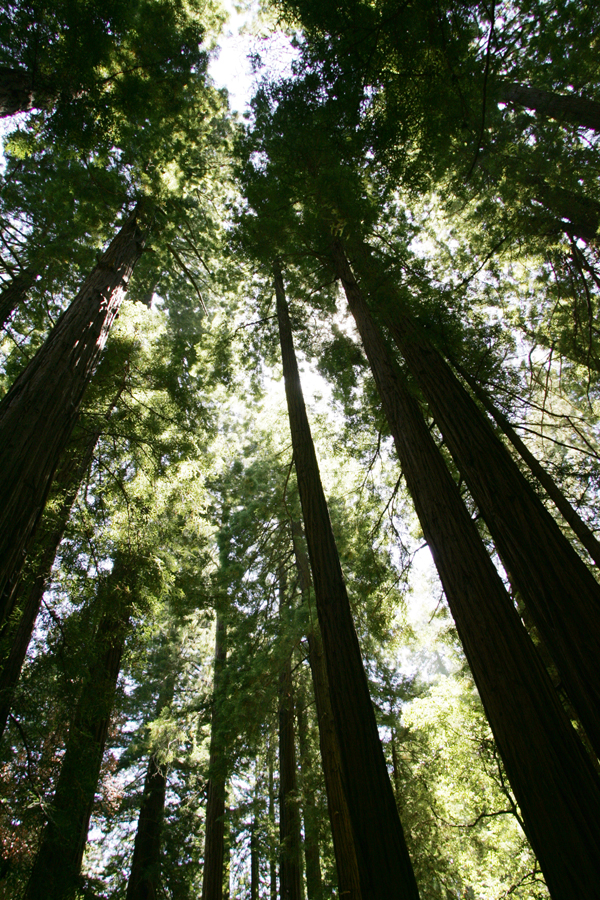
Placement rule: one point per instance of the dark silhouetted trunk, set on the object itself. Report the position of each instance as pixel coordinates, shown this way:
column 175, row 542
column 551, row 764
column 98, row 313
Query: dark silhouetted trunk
column 39, row 412
column 563, row 107
column 26, row 599
column 272, row 862
column 339, row 815
column 13, row 293
column 383, row 861
column 57, row 867
column 290, row 865
column 560, row 592
column 214, row 843
column 312, row 860
column 254, row 861
column 570, row 515
column 552, row 776
column 144, row 878
column 18, row 93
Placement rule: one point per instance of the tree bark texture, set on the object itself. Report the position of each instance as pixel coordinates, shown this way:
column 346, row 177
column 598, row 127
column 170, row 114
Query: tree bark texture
column 13, row 293
column 144, row 877
column 56, row 870
column 214, row 842
column 272, row 861
column 26, row 599
column 339, row 815
column 559, row 590
column 383, row 861
column 290, row 867
column 553, row 779
column 569, row 108
column 585, row 535
column 290, row 841
column 254, row 862
column 38, row 413
column 312, row 860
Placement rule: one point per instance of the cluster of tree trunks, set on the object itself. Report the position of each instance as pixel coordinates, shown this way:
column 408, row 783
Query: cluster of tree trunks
column 383, row 861
column 56, row 870
column 550, row 772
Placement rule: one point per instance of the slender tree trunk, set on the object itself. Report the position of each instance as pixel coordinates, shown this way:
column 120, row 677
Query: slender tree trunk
column 39, row 412
column 569, row 108
column 339, row 814
column 254, row 861
column 13, row 293
column 383, row 861
column 312, row 860
column 570, row 515
column 582, row 213
column 552, row 776
column 272, row 861
column 27, row 595
column 214, row 848
column 144, row 878
column 290, row 865
column 57, row 867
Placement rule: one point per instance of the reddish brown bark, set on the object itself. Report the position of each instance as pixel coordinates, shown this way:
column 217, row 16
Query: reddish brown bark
column 339, row 815
column 552, row 777
column 569, row 108
column 312, row 857
column 39, row 412
column 570, row 515
column 383, row 861
column 56, row 871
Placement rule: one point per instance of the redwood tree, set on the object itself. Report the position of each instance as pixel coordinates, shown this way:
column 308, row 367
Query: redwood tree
column 39, row 412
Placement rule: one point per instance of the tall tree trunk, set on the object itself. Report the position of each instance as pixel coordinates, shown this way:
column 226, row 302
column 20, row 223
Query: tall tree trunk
column 570, row 515
column 144, row 877
column 552, row 776
column 561, row 593
column 314, row 879
column 272, row 860
column 254, row 860
column 339, row 814
column 39, row 412
column 290, row 865
column 26, row 599
column 569, row 108
column 13, row 293
column 56, row 870
column 383, row 861
column 214, row 847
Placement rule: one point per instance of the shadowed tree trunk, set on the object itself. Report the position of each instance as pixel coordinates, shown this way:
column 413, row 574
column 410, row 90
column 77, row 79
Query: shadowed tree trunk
column 560, row 592
column 564, row 107
column 39, row 412
column 56, row 870
column 214, row 843
column 24, row 601
column 254, row 860
column 290, row 865
column 144, row 878
column 18, row 94
column 339, row 815
column 272, row 862
column 552, row 777
column 314, row 880
column 570, row 515
column 383, row 861
column 13, row 293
